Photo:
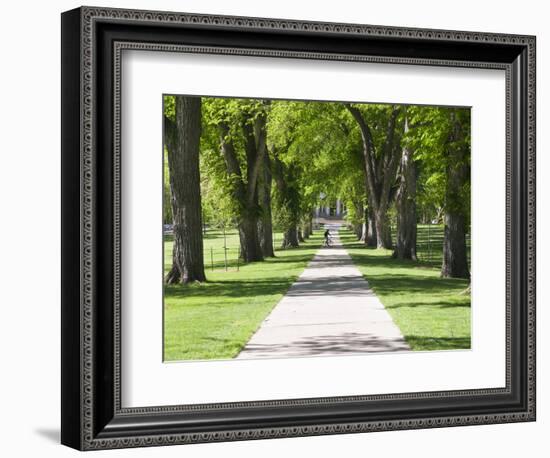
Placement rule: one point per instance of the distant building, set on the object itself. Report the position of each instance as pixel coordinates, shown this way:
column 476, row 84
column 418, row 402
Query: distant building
column 331, row 207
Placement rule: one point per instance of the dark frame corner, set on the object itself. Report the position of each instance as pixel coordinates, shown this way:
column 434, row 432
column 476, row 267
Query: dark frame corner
column 92, row 39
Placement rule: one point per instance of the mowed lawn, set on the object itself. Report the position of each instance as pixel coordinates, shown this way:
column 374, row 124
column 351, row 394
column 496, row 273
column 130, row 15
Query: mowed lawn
column 214, row 320
column 432, row 313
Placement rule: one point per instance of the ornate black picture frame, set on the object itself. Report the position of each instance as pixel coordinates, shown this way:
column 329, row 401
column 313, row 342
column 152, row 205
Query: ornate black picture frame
column 92, row 415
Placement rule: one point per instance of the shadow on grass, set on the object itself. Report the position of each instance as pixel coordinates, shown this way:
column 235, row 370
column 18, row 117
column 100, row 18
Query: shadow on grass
column 424, row 343
column 386, row 283
column 232, row 262
column 437, row 304
column 231, row 288
column 371, row 257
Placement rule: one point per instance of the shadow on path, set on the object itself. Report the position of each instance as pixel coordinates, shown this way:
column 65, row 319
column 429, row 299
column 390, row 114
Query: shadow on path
column 340, row 344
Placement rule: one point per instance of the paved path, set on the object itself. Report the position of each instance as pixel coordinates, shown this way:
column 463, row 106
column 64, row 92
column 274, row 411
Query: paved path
column 329, row 310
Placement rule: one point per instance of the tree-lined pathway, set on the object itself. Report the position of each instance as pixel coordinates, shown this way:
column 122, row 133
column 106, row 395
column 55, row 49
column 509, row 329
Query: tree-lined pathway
column 329, row 310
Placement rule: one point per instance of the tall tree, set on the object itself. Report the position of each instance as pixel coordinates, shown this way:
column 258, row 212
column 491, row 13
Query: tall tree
column 288, row 200
column 440, row 138
column 455, row 260
column 182, row 141
column 241, row 131
column 405, row 245
column 381, row 164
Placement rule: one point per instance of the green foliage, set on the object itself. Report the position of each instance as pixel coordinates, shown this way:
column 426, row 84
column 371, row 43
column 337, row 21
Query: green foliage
column 320, row 148
column 224, row 120
column 170, row 107
column 219, row 208
column 318, row 141
column 432, row 135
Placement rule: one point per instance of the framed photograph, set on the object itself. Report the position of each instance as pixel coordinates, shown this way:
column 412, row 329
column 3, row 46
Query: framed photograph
column 276, row 228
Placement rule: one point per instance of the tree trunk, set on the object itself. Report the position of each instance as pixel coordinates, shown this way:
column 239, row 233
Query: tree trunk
column 371, row 237
column 358, row 230
column 305, row 229
column 455, row 259
column 251, row 249
column 405, row 247
column 300, row 235
column 265, row 235
column 382, row 225
column 265, row 224
column 359, row 226
column 290, row 238
column 182, row 141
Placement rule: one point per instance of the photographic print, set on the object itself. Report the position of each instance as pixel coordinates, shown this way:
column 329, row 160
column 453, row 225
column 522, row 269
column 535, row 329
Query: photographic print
column 275, row 220
column 314, row 228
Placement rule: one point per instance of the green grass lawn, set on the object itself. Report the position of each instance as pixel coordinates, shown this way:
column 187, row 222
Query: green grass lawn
column 214, row 320
column 430, row 311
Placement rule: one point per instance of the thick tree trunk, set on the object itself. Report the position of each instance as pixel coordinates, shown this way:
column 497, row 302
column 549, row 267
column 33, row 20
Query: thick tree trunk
column 248, row 235
column 300, row 235
column 358, row 231
column 370, row 228
column 290, row 238
column 359, row 227
column 265, row 235
column 405, row 246
column 265, row 224
column 382, row 226
column 455, row 259
column 182, row 141
column 305, row 230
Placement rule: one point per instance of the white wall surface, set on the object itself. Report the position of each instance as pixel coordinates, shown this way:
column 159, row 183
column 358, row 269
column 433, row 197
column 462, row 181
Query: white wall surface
column 30, row 229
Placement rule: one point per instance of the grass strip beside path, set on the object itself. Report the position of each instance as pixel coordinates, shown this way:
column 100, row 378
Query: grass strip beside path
column 430, row 311
column 214, row 320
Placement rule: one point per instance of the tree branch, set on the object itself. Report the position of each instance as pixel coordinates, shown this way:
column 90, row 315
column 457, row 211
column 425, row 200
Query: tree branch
column 231, row 161
column 392, row 155
column 255, row 150
column 368, row 153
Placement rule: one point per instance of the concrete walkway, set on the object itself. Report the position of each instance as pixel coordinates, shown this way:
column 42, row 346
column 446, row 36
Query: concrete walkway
column 329, row 310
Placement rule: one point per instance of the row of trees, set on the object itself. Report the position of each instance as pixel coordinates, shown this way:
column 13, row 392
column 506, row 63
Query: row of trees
column 260, row 163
